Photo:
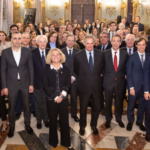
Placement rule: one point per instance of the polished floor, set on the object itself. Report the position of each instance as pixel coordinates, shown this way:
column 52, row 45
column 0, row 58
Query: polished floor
column 114, row 138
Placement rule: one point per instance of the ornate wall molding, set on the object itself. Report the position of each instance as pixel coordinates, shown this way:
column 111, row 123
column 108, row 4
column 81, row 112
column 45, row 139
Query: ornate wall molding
column 28, row 3
column 16, row 12
column 43, row 12
column 135, row 6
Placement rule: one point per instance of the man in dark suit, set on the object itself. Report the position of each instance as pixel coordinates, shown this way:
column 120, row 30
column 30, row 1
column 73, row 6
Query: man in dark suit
column 88, row 66
column 114, row 80
column 121, row 34
column 25, row 40
column 135, row 72
column 148, row 47
column 105, row 44
column 70, row 52
column 112, row 29
column 130, row 48
column 17, row 76
column 39, row 56
column 125, row 22
column 141, row 26
column 147, row 96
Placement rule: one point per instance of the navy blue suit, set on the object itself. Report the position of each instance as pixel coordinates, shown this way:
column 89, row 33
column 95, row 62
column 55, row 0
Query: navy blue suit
column 19, row 102
column 135, row 73
column 147, row 89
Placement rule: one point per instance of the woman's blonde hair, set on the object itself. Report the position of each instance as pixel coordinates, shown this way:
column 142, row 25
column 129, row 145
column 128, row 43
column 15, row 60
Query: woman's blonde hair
column 49, row 56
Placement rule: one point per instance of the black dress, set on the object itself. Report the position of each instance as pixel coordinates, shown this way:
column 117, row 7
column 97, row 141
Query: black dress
column 54, row 82
column 81, row 45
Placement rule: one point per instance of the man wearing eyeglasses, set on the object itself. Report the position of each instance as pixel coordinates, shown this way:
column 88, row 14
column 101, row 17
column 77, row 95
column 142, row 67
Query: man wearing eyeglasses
column 17, row 76
column 13, row 28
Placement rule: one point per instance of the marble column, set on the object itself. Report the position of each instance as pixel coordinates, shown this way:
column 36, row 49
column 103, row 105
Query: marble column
column 1, row 14
column 37, row 5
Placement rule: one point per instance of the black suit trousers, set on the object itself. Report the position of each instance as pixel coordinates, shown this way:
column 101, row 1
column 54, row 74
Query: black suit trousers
column 73, row 92
column 61, row 109
column 13, row 94
column 118, row 102
column 96, row 102
column 3, row 108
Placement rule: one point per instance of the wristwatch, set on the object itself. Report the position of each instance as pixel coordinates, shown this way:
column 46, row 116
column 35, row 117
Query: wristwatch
column 62, row 96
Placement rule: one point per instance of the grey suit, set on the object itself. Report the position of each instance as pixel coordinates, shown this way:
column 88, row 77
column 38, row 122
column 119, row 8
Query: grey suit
column 73, row 89
column 9, row 73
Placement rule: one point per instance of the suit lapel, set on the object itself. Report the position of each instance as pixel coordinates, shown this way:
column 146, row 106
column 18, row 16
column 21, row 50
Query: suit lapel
column 139, row 60
column 111, row 60
column 120, row 59
column 96, row 58
column 39, row 57
column 12, row 56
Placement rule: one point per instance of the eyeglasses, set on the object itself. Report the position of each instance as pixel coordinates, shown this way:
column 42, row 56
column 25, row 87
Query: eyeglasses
column 54, row 36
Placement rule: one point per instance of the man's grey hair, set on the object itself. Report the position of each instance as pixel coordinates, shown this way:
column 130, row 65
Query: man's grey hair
column 121, row 24
column 104, row 33
column 26, row 33
column 15, row 33
column 128, row 37
column 89, row 36
column 71, row 35
column 121, row 31
column 39, row 36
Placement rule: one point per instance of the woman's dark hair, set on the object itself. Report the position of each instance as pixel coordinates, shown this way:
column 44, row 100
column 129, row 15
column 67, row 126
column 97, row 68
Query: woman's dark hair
column 76, row 28
column 26, row 27
column 50, row 34
column 92, row 23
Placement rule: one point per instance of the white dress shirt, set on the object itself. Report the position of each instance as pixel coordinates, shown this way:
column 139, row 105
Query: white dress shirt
column 117, row 54
column 17, row 56
column 98, row 25
column 64, row 93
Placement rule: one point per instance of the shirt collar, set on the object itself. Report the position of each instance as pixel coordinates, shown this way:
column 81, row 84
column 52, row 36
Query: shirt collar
column 52, row 67
column 52, row 43
column 42, row 50
column 89, row 52
column 105, row 45
column 114, row 51
column 140, row 53
column 15, row 51
column 69, row 49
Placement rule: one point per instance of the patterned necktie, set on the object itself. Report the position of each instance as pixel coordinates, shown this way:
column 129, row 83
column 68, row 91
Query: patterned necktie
column 129, row 51
column 43, row 59
column 70, row 55
column 91, row 62
column 115, row 62
column 142, row 60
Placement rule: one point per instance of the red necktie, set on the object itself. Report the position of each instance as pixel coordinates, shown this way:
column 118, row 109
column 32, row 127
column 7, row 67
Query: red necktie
column 115, row 62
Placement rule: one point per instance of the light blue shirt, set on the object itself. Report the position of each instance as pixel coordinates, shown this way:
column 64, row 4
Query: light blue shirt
column 52, row 45
column 88, row 55
column 131, row 50
column 104, row 47
column 41, row 52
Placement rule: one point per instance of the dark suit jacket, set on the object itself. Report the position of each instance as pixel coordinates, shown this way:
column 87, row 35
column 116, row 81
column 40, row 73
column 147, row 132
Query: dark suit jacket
column 108, row 46
column 39, row 33
column 57, row 46
column 38, row 68
column 147, row 50
column 68, row 63
column 87, row 81
column 135, row 72
column 109, row 71
column 141, row 27
column 125, row 49
column 123, row 44
column 10, row 70
column 147, row 74
column 127, row 24
column 31, row 47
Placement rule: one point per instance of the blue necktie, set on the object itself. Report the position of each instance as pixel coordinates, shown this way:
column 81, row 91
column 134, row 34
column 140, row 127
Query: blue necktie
column 70, row 55
column 142, row 60
column 91, row 62
column 43, row 59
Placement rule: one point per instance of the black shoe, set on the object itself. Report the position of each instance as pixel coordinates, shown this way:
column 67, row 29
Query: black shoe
column 129, row 126
column 82, row 131
column 76, row 119
column 121, row 124
column 29, row 129
column 39, row 125
column 33, row 113
column 11, row 132
column 71, row 148
column 95, row 131
column 147, row 137
column 141, row 126
column 17, row 116
column 107, row 124
column 46, row 124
